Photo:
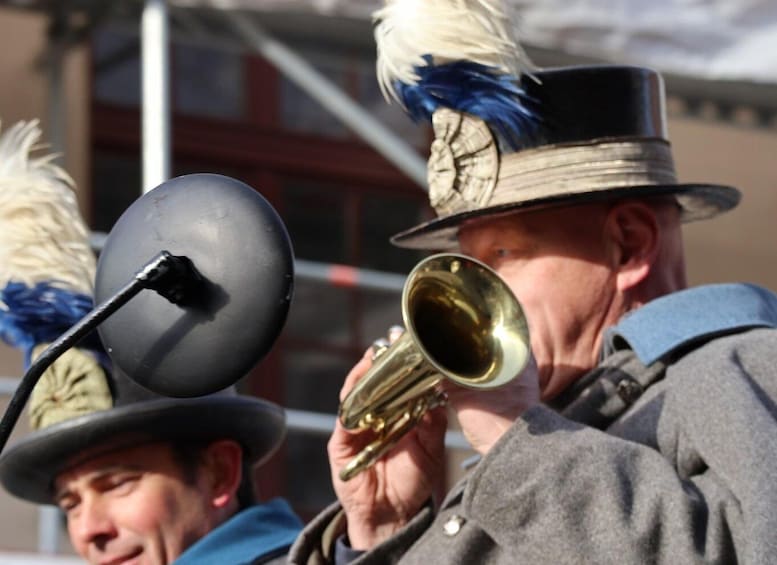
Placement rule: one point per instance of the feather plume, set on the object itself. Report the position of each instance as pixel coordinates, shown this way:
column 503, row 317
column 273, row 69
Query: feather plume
column 46, row 263
column 409, row 31
column 43, row 235
column 460, row 54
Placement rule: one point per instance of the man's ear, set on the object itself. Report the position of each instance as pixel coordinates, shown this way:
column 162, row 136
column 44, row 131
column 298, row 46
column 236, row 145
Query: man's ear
column 633, row 230
column 222, row 463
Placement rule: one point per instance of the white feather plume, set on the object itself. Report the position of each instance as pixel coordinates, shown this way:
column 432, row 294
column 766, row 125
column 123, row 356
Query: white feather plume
column 480, row 31
column 42, row 234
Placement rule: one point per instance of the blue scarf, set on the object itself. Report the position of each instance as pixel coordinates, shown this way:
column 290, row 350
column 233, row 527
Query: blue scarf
column 256, row 531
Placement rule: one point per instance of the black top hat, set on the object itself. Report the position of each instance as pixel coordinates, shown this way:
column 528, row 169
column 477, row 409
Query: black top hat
column 599, row 133
column 508, row 137
column 134, row 416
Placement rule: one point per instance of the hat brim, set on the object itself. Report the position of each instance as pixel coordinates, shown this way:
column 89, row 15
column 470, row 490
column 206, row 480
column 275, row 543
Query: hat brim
column 28, row 468
column 697, row 202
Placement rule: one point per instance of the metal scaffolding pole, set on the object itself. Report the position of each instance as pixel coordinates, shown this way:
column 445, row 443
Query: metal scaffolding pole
column 49, row 516
column 333, row 99
column 333, row 273
column 156, row 94
column 302, row 421
column 56, row 95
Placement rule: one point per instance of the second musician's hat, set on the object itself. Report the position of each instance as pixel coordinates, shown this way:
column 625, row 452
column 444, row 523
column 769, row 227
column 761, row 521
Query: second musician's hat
column 508, row 136
column 81, row 412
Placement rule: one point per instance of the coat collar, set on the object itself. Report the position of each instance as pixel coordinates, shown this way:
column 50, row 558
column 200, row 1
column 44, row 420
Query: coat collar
column 256, row 531
column 689, row 316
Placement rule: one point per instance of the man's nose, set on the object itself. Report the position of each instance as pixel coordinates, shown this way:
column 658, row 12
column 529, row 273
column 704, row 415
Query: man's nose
column 94, row 523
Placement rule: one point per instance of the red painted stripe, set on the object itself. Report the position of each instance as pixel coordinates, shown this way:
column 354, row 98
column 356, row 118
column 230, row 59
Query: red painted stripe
column 342, row 275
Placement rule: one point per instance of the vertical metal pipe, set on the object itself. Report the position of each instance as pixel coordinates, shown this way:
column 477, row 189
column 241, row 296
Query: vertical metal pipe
column 48, row 516
column 48, row 529
column 55, row 100
column 156, row 94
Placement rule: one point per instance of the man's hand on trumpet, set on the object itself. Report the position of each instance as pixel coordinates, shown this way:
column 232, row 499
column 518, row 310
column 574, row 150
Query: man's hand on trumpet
column 382, row 498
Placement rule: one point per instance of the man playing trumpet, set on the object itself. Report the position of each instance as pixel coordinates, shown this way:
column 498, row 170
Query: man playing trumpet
column 645, row 429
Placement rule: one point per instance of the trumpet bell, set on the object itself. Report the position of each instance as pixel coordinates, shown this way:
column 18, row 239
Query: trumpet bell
column 466, row 321
column 464, row 324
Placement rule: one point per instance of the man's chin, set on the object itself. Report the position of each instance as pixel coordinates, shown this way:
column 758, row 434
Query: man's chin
column 132, row 557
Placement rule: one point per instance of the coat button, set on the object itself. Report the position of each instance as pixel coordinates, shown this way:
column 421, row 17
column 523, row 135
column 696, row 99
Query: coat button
column 629, row 390
column 453, row 525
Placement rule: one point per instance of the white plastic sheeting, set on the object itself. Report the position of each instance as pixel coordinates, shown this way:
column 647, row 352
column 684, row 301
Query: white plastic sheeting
column 720, row 39
column 709, row 39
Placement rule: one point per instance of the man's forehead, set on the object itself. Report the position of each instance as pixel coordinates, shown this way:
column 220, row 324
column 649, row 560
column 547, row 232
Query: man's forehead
column 90, row 472
column 493, row 219
column 536, row 216
column 513, row 221
column 111, row 459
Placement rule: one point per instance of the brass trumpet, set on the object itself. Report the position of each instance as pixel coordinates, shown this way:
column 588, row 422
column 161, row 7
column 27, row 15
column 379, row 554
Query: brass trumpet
column 463, row 323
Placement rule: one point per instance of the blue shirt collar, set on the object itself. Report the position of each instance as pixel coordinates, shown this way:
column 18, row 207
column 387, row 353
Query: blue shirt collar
column 254, row 532
column 681, row 318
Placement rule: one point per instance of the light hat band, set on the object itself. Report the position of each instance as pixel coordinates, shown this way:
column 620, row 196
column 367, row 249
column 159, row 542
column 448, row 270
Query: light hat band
column 466, row 172
column 593, row 166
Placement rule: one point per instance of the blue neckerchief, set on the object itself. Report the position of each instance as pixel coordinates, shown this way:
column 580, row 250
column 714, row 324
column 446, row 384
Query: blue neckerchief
column 682, row 318
column 250, row 534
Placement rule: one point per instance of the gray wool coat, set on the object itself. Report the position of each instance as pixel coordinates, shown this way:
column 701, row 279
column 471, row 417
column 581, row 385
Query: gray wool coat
column 673, row 463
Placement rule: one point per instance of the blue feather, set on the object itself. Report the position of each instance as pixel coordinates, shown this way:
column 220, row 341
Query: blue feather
column 40, row 314
column 476, row 89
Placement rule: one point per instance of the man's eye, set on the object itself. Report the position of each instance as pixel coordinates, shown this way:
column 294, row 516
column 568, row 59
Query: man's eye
column 121, row 483
column 68, row 505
